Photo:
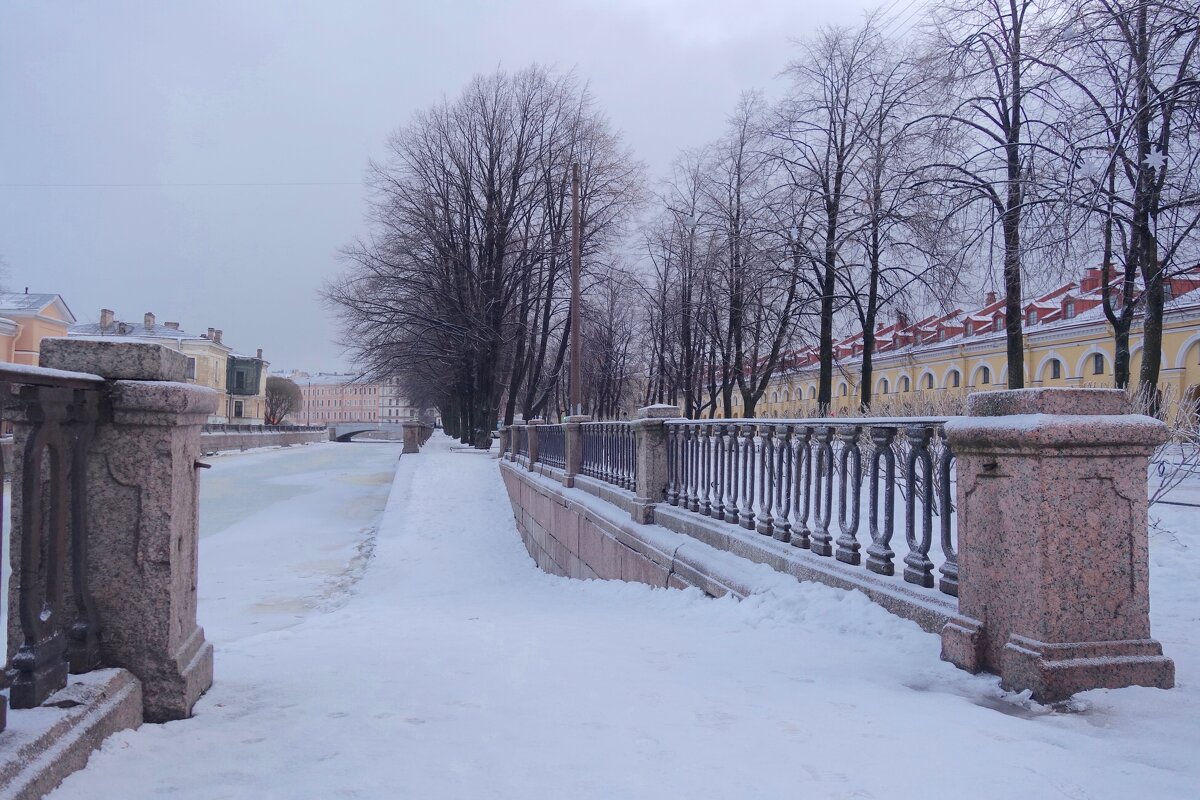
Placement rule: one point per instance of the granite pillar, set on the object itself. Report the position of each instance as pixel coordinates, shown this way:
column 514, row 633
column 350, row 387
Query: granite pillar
column 532, row 432
column 142, row 502
column 412, row 436
column 573, row 447
column 1052, row 542
column 650, row 442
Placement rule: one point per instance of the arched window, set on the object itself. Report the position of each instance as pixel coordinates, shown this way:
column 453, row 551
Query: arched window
column 928, row 381
column 787, row 395
column 955, row 379
column 774, row 397
column 883, row 386
column 1098, row 364
column 844, row 390
column 904, row 383
column 1055, row 369
column 985, row 375
column 812, row 393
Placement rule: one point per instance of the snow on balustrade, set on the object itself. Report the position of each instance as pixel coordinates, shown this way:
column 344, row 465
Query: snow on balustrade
column 780, row 478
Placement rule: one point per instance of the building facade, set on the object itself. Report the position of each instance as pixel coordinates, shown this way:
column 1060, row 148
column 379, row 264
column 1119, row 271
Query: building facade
column 239, row 379
column 1068, row 342
column 330, row 398
column 394, row 406
column 26, row 319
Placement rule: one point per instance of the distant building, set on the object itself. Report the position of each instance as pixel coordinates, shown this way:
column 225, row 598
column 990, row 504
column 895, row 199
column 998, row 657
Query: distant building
column 240, row 379
column 1067, row 339
column 330, row 398
column 394, row 406
column 26, row 319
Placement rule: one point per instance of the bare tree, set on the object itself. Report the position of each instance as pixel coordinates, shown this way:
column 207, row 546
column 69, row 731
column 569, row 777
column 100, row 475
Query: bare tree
column 991, row 72
column 459, row 284
column 821, row 141
column 1127, row 71
column 282, row 398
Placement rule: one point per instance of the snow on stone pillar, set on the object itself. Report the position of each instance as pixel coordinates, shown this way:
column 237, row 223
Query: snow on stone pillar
column 650, row 442
column 142, row 501
column 505, row 433
column 573, row 447
column 1052, row 543
column 532, row 432
column 411, row 434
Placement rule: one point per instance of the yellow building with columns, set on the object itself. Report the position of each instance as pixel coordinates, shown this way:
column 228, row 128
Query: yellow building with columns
column 1068, row 342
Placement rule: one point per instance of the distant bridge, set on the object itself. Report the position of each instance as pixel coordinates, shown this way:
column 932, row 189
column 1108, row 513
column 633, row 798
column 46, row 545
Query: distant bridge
column 345, row 431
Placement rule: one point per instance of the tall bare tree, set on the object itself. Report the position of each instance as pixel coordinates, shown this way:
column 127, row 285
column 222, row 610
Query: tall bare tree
column 458, row 284
column 1130, row 99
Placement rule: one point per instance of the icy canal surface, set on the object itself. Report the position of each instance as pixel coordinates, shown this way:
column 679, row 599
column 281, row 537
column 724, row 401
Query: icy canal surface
column 434, row 661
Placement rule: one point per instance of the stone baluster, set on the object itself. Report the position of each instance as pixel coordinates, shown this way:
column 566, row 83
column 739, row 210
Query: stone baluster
column 719, row 484
column 820, row 541
column 783, row 482
column 732, row 513
column 919, row 476
column 766, row 474
column 879, row 552
column 748, row 482
column 849, row 495
column 802, row 478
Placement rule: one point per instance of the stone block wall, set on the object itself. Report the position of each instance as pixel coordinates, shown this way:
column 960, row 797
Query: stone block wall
column 567, row 537
column 216, row 441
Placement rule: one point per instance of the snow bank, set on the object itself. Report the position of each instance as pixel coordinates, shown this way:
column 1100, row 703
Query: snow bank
column 456, row 669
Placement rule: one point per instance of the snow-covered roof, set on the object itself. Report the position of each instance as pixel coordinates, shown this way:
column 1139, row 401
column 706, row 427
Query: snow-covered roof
column 25, row 304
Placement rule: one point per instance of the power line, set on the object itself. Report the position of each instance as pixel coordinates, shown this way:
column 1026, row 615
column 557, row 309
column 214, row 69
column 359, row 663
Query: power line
column 173, row 185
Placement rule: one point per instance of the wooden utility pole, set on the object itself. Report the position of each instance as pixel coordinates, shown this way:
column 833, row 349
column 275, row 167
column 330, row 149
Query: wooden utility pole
column 576, row 401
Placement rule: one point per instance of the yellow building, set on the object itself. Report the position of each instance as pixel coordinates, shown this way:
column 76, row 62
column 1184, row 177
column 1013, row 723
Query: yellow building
column 240, row 379
column 26, row 319
column 933, row 363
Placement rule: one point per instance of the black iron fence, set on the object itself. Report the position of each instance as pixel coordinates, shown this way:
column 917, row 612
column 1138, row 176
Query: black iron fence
column 609, row 453
column 781, row 478
column 552, row 445
column 522, row 444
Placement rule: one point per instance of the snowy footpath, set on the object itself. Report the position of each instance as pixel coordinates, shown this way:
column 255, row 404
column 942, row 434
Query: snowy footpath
column 430, row 659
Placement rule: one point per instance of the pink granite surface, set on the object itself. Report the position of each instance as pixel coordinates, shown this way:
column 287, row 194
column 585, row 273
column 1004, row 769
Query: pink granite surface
column 1053, row 545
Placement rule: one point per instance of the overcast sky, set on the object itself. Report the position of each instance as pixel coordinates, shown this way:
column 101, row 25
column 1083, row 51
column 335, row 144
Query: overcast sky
column 227, row 103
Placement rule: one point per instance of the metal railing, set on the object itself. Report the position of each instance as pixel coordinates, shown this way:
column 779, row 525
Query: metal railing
column 61, row 410
column 608, row 453
column 780, row 478
column 522, row 444
column 552, row 445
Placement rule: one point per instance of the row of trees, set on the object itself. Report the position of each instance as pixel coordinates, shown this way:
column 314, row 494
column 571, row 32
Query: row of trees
column 1007, row 143
column 461, row 290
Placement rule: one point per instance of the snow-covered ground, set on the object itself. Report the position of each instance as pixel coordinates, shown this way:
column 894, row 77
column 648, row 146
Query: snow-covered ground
column 455, row 669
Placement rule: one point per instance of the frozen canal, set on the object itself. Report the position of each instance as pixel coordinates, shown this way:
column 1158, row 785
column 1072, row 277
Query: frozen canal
column 444, row 665
column 301, row 523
